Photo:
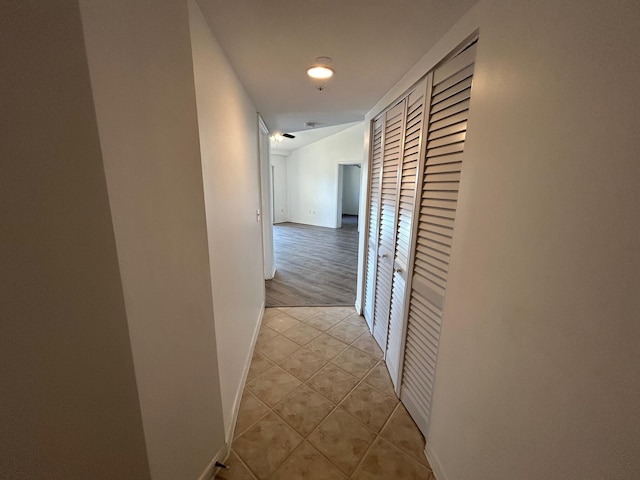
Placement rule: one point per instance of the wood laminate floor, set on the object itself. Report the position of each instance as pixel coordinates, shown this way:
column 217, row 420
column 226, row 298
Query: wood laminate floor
column 315, row 266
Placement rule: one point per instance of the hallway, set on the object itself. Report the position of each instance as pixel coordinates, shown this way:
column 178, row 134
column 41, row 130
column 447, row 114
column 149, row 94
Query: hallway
column 319, row 405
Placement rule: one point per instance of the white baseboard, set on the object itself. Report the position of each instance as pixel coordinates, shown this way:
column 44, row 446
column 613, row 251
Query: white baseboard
column 436, row 466
column 245, row 373
column 358, row 306
column 211, row 469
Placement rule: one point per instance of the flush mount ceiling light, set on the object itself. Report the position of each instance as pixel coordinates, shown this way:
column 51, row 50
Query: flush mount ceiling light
column 320, row 72
column 320, row 69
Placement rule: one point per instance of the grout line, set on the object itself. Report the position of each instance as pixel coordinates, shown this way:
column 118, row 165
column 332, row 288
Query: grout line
column 243, row 464
column 242, row 432
column 378, row 436
column 355, row 470
column 318, row 426
column 407, row 454
column 391, row 415
column 290, row 454
column 249, row 427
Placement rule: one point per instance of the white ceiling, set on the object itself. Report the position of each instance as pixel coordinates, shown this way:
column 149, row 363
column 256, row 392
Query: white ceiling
column 373, row 43
column 306, row 137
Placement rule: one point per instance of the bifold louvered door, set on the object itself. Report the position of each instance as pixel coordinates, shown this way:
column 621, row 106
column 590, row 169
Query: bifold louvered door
column 391, row 164
column 412, row 152
column 374, row 213
column 436, row 210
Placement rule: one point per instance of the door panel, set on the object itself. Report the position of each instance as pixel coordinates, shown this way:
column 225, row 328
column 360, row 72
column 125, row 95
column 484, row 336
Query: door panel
column 394, row 121
column 411, row 166
column 432, row 239
column 374, row 214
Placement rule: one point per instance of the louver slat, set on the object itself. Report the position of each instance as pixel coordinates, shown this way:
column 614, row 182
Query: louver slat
column 446, row 136
column 374, row 211
column 394, row 126
column 407, row 186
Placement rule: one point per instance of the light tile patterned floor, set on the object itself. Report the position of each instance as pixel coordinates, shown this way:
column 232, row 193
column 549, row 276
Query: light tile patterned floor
column 319, row 405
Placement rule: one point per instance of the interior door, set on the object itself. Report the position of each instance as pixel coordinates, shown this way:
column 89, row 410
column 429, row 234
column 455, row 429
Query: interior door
column 374, row 217
column 412, row 152
column 394, row 121
column 446, row 133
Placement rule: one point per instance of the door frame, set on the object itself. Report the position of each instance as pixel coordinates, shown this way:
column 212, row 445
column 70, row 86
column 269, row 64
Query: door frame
column 265, row 215
column 340, row 183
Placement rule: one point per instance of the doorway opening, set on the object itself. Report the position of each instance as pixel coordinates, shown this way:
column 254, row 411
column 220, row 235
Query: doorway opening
column 349, row 179
column 314, row 183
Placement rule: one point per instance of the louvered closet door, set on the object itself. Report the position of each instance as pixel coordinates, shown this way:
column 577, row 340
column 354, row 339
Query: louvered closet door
column 411, row 155
column 391, row 163
column 446, row 131
column 374, row 214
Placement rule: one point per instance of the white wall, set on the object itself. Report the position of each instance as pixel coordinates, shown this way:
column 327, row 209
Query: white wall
column 280, row 188
column 68, row 399
column 351, row 190
column 229, row 143
column 538, row 364
column 312, row 176
column 143, row 86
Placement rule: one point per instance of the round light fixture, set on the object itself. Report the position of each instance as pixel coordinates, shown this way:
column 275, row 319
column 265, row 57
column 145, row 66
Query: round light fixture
column 320, row 72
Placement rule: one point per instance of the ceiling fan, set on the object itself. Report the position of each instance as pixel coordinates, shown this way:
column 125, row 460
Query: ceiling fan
column 278, row 137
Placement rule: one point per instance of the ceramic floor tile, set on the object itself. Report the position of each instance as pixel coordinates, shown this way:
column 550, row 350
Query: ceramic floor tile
column 259, row 364
column 265, row 445
column 301, row 333
column 323, row 320
column 266, row 333
column 273, row 385
column 304, row 410
column 343, row 439
column 306, row 463
column 367, row 344
column 264, row 336
column 402, row 432
column 250, row 411
column 302, row 313
column 270, row 313
column 354, row 361
column 281, row 322
column 369, row 406
column 327, row 347
column 356, row 320
column 277, row 348
column 332, row 383
column 303, row 364
column 379, row 378
column 346, row 332
column 384, row 461
column 236, row 471
column 340, row 312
